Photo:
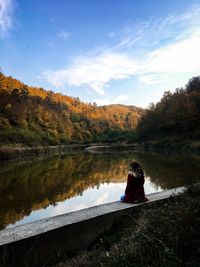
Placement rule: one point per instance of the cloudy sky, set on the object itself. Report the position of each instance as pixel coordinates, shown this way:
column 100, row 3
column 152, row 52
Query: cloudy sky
column 103, row 51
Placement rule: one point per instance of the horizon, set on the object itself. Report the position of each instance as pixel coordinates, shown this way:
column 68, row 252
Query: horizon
column 107, row 53
column 85, row 102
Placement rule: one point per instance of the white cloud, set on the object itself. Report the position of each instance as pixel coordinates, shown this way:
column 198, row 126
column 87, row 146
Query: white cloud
column 182, row 56
column 94, row 71
column 64, row 35
column 149, row 79
column 51, row 42
column 153, row 32
column 6, row 9
column 151, row 51
column 179, row 58
column 119, row 99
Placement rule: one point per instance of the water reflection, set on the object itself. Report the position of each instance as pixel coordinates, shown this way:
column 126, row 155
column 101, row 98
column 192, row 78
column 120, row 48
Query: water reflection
column 47, row 187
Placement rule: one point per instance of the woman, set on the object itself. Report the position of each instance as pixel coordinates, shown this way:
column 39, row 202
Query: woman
column 134, row 192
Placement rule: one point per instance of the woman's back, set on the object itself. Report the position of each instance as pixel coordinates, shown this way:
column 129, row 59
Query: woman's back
column 135, row 184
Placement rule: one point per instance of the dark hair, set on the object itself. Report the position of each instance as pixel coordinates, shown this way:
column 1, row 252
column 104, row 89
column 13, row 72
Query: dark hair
column 134, row 166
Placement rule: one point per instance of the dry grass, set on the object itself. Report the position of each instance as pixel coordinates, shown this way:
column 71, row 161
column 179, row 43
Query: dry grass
column 165, row 234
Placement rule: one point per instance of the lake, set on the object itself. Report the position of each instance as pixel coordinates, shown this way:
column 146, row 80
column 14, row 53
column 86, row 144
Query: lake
column 43, row 187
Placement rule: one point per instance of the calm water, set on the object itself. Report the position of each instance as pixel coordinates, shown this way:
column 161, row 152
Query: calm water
column 32, row 190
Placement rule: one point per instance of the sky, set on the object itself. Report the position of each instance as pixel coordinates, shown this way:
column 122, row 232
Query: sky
column 104, row 51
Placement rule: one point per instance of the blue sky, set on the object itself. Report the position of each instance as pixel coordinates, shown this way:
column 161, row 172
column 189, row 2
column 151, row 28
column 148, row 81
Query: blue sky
column 103, row 51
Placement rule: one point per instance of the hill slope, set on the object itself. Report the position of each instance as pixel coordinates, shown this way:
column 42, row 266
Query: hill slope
column 32, row 115
column 175, row 118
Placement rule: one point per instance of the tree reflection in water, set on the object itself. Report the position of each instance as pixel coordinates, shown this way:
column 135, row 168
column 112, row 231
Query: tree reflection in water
column 32, row 185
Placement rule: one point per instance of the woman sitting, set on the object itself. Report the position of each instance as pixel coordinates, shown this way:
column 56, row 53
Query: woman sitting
column 134, row 192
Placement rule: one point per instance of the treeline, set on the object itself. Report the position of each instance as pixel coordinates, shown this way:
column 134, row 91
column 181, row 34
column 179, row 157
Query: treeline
column 33, row 116
column 176, row 115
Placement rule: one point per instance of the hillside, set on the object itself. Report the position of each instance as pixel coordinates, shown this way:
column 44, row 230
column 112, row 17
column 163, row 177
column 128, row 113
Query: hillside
column 175, row 118
column 33, row 116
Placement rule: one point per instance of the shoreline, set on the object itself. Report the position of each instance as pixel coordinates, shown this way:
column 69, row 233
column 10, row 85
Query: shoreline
column 12, row 151
column 15, row 151
column 170, row 144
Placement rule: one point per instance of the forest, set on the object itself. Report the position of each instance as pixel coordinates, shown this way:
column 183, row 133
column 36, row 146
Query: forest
column 175, row 117
column 35, row 116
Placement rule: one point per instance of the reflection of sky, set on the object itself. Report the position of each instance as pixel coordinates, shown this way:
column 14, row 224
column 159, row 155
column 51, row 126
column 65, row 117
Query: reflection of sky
column 91, row 197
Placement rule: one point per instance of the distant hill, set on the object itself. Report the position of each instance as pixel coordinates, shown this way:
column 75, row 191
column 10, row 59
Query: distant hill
column 35, row 116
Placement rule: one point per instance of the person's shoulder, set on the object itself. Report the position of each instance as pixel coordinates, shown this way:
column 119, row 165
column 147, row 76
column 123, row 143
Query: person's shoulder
column 130, row 176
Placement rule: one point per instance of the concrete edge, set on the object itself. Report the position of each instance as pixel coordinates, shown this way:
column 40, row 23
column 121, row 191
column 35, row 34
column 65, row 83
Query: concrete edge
column 45, row 225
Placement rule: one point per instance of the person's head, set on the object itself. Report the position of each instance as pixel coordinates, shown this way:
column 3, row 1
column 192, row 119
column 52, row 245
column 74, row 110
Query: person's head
column 135, row 168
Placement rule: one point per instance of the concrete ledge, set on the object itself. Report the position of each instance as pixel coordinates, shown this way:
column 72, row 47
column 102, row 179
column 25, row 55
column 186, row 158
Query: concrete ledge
column 42, row 226
column 41, row 242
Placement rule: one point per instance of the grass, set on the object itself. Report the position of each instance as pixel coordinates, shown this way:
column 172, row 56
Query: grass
column 164, row 234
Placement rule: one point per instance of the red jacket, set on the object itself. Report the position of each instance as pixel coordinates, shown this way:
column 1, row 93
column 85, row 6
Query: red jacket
column 135, row 189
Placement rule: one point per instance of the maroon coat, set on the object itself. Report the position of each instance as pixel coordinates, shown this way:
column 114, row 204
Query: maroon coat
column 135, row 189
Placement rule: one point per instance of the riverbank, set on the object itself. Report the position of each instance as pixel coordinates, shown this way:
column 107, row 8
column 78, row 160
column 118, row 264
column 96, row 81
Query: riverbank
column 170, row 144
column 164, row 144
column 162, row 234
column 21, row 151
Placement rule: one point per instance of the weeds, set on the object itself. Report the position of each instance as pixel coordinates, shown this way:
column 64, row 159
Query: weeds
column 163, row 234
